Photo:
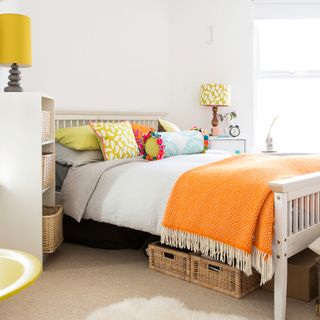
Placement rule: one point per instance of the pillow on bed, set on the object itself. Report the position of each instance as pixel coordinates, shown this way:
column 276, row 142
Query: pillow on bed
column 139, row 130
column 70, row 157
column 205, row 137
column 159, row 145
column 116, row 140
column 78, row 138
column 167, row 126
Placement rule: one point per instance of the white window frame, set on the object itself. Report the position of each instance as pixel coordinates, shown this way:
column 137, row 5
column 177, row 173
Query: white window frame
column 273, row 74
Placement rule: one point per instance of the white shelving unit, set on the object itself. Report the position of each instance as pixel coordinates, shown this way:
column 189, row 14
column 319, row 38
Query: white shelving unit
column 21, row 148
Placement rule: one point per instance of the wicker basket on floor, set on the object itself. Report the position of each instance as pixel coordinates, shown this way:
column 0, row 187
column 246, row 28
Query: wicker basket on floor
column 52, row 232
column 170, row 261
column 222, row 277
column 47, row 170
column 45, row 133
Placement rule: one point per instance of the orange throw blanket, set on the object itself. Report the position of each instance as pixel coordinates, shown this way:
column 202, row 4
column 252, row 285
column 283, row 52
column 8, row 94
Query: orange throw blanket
column 225, row 209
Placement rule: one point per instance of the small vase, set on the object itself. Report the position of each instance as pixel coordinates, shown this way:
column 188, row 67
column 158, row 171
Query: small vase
column 224, row 132
column 269, row 144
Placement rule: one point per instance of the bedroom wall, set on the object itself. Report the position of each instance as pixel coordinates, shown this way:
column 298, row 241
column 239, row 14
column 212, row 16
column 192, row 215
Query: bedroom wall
column 100, row 54
column 142, row 55
column 228, row 59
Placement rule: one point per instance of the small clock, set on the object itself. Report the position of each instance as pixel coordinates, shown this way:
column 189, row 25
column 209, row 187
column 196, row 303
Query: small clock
column 234, row 131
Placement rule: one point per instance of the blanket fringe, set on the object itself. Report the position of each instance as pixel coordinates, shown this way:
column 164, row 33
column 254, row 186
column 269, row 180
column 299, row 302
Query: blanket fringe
column 220, row 251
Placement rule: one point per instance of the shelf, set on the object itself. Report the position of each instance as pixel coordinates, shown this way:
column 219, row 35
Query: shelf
column 28, row 192
column 44, row 143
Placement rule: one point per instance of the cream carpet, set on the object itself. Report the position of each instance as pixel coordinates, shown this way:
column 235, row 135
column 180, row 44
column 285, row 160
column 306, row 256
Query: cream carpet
column 157, row 308
column 78, row 280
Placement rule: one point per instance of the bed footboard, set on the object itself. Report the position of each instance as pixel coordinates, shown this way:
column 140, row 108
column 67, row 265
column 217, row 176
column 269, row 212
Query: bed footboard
column 297, row 224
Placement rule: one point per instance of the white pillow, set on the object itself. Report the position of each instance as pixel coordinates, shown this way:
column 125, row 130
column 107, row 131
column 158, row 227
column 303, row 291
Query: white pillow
column 315, row 246
column 70, row 157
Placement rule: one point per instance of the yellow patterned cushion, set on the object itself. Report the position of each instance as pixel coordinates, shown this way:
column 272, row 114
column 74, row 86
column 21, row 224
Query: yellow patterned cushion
column 116, row 140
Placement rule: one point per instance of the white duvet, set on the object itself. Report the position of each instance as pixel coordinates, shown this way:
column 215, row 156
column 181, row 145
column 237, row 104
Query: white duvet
column 133, row 194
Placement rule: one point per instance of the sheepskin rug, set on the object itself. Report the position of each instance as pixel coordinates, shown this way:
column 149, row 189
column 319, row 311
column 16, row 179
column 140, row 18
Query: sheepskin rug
column 157, row 308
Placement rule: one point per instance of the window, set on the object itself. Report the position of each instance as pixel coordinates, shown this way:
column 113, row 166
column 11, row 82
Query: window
column 288, row 84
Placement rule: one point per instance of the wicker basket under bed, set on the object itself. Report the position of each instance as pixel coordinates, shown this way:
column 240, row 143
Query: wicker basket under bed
column 222, row 277
column 52, row 232
column 47, row 170
column 45, row 133
column 170, row 261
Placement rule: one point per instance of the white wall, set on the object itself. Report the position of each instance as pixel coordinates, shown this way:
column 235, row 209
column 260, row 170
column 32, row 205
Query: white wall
column 229, row 59
column 142, row 55
column 100, row 54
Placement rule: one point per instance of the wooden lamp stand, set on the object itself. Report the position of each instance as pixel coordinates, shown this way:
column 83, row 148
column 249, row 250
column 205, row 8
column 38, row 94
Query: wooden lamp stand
column 214, row 121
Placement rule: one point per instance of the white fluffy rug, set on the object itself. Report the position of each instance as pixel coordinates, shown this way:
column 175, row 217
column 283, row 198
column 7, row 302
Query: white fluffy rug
column 157, row 308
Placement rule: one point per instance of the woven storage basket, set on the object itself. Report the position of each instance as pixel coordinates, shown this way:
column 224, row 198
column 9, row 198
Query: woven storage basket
column 222, row 277
column 52, row 233
column 47, row 170
column 173, row 262
column 45, row 126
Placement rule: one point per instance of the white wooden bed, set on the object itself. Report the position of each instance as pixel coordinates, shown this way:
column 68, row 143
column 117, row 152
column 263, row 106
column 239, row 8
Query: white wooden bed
column 66, row 119
column 296, row 200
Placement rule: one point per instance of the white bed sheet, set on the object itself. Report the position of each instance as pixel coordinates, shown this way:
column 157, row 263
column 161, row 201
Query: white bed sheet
column 135, row 195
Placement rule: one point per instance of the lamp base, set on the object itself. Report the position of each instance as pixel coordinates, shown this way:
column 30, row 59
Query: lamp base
column 215, row 130
column 14, row 78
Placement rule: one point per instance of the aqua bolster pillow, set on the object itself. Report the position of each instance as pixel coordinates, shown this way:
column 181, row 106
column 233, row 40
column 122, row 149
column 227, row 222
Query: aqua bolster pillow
column 159, row 145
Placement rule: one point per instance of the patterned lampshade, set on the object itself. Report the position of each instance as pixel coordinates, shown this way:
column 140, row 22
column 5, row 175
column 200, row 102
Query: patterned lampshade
column 214, row 94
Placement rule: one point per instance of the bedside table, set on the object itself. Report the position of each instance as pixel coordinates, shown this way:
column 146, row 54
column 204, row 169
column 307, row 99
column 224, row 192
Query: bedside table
column 229, row 144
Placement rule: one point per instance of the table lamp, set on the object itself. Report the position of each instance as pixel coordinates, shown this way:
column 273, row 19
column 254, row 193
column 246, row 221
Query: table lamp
column 15, row 47
column 215, row 95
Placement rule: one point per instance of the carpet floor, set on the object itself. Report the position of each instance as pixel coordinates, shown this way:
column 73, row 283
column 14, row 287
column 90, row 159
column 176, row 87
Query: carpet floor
column 77, row 280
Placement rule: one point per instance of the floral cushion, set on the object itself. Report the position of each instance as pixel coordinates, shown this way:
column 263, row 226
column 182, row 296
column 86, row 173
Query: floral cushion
column 139, row 130
column 159, row 145
column 116, row 140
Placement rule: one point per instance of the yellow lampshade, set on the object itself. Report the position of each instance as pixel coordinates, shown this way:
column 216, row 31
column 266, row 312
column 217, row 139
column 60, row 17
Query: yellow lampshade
column 15, row 40
column 214, row 94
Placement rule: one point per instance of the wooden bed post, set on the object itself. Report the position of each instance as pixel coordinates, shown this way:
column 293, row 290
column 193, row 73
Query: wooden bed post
column 297, row 224
column 280, row 255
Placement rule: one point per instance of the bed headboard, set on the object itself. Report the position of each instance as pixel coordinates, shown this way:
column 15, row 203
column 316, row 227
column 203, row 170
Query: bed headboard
column 66, row 119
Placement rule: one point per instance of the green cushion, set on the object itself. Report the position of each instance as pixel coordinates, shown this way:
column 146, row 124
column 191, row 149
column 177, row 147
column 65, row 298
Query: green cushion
column 151, row 147
column 167, row 126
column 78, row 138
